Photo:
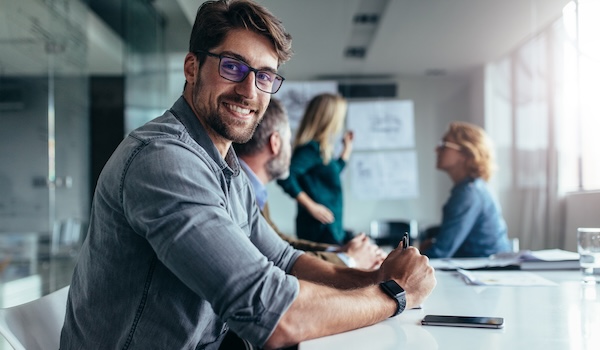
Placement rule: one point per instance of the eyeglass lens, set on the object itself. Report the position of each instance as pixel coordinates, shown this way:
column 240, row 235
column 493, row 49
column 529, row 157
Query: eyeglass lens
column 234, row 70
column 448, row 144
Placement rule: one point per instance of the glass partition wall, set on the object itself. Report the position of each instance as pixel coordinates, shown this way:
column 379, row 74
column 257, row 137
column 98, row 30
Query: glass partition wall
column 146, row 89
column 43, row 137
column 45, row 129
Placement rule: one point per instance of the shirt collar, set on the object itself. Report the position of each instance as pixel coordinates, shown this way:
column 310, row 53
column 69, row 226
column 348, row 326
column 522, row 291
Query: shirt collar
column 260, row 190
column 184, row 113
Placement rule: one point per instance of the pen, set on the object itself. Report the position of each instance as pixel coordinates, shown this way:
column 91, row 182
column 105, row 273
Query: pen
column 405, row 241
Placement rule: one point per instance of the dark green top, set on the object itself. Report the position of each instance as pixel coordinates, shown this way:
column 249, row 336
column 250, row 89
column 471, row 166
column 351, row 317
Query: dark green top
column 322, row 183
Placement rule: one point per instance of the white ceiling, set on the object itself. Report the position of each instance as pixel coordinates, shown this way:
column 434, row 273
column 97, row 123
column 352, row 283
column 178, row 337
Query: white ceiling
column 414, row 35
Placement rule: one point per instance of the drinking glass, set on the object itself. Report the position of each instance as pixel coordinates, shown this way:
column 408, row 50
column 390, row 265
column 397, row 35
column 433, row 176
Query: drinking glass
column 588, row 246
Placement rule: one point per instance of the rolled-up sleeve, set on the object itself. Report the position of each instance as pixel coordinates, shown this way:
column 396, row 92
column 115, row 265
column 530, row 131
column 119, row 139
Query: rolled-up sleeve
column 210, row 234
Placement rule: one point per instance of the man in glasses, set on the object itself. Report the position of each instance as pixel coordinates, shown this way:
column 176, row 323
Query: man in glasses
column 177, row 252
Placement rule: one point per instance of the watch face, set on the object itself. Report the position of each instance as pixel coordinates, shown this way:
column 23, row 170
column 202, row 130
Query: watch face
column 393, row 287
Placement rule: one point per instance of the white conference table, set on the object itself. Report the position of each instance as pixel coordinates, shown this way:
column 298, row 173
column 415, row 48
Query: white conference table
column 562, row 316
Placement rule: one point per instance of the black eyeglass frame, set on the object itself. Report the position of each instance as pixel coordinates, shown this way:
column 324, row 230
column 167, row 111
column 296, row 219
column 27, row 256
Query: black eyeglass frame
column 250, row 69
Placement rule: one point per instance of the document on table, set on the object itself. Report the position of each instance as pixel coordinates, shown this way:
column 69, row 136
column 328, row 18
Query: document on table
column 474, row 264
column 503, row 278
column 548, row 259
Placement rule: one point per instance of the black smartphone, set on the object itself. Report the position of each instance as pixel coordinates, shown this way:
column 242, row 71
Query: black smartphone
column 463, row 321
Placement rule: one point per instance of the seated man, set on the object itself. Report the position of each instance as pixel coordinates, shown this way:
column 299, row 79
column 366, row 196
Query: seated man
column 266, row 157
column 177, row 254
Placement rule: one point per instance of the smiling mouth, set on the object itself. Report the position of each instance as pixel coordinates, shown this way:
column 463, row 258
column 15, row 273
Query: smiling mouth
column 238, row 109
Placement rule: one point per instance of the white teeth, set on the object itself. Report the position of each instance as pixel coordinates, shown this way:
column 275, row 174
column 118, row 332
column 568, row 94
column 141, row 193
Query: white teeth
column 238, row 109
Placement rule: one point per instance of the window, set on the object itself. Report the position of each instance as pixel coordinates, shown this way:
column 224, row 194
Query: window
column 580, row 126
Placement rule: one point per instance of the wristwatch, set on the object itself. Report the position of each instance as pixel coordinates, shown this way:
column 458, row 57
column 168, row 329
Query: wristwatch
column 394, row 290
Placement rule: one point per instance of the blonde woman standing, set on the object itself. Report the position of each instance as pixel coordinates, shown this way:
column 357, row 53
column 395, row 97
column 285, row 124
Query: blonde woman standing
column 472, row 222
column 314, row 179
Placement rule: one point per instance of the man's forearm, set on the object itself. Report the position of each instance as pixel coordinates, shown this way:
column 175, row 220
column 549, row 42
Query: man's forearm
column 338, row 311
column 334, row 299
column 311, row 269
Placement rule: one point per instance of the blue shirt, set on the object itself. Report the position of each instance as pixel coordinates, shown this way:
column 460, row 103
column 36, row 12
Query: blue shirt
column 260, row 190
column 177, row 251
column 472, row 223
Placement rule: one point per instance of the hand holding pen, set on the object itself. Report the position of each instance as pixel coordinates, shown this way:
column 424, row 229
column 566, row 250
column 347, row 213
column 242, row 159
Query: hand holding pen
column 404, row 241
column 411, row 270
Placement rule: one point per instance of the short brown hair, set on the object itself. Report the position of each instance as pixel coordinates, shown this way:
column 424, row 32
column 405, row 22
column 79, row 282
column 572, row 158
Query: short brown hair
column 477, row 145
column 215, row 19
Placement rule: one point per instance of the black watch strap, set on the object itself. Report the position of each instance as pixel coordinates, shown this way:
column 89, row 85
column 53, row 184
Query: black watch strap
column 394, row 290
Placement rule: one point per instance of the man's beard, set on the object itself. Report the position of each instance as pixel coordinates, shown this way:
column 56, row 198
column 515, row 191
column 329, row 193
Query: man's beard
column 234, row 130
column 277, row 170
column 278, row 167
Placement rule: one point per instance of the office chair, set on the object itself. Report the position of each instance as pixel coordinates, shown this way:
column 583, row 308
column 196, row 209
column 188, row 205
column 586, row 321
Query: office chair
column 390, row 232
column 35, row 325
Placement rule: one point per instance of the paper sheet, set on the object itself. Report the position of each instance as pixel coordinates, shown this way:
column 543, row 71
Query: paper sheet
column 554, row 255
column 503, row 278
column 474, row 263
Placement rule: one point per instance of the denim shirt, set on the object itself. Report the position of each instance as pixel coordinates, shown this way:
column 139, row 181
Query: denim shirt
column 177, row 251
column 472, row 223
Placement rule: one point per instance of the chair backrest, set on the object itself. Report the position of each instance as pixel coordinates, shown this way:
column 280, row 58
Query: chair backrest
column 390, row 232
column 37, row 324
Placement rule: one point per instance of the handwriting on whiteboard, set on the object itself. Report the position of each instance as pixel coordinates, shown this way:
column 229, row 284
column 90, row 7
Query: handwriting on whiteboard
column 382, row 125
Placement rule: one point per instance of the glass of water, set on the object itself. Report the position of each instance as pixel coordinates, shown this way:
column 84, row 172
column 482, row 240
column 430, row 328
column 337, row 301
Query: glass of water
column 588, row 246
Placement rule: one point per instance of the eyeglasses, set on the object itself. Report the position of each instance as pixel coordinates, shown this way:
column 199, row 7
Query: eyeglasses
column 235, row 70
column 448, row 144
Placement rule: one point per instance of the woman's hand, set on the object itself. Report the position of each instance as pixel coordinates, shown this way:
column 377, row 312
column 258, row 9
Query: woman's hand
column 318, row 211
column 321, row 213
column 347, row 141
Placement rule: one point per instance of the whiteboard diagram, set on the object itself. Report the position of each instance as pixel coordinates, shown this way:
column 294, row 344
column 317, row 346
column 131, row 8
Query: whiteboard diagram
column 384, row 175
column 382, row 124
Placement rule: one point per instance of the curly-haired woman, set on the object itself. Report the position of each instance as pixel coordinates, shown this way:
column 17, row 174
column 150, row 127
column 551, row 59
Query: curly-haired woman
column 472, row 223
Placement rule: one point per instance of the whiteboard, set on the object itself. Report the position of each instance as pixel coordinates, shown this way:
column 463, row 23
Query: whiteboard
column 384, row 175
column 295, row 95
column 381, row 125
